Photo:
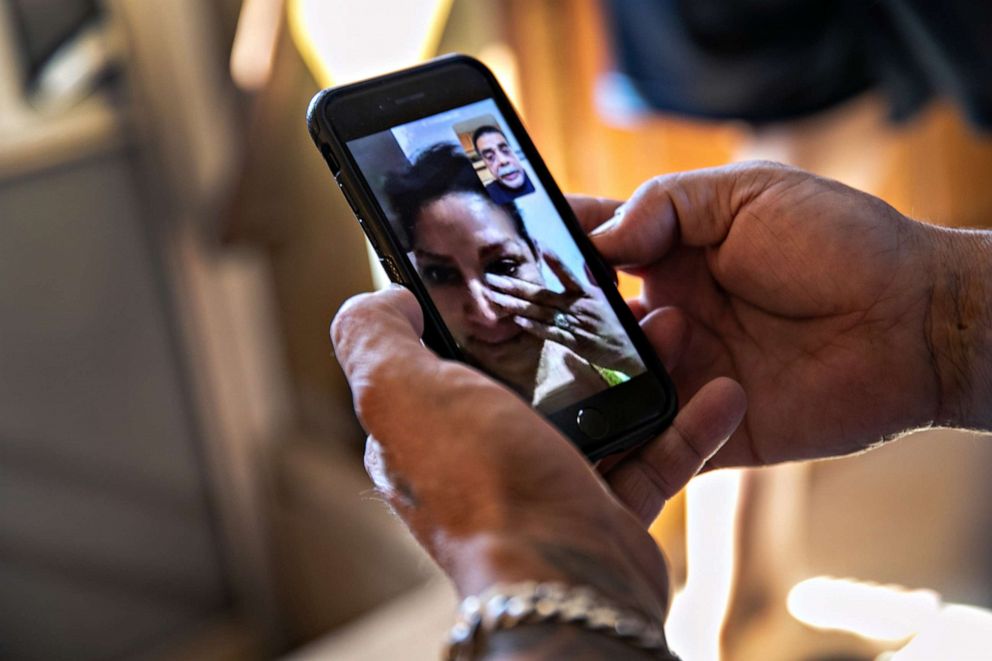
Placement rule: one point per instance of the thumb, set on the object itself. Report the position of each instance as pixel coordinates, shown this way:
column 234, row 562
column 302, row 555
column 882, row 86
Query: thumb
column 376, row 340
column 592, row 211
column 696, row 208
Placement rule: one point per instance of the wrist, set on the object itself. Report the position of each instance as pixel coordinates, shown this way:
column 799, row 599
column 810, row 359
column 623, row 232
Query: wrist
column 483, row 560
column 960, row 328
column 533, row 620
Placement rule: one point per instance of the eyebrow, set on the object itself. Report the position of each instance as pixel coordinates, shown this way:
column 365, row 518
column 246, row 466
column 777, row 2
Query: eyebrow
column 491, row 248
column 502, row 143
column 484, row 251
column 433, row 256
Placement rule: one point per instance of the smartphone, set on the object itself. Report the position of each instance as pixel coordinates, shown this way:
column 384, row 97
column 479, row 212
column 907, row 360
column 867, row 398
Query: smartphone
column 460, row 208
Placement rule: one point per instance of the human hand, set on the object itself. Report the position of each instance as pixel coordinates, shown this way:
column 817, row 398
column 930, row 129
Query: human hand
column 488, row 486
column 574, row 318
column 814, row 296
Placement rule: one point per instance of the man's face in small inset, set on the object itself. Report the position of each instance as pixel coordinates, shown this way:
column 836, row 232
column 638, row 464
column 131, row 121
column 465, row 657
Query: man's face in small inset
column 500, row 159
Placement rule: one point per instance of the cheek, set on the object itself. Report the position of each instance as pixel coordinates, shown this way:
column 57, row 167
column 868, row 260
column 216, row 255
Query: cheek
column 531, row 272
column 450, row 302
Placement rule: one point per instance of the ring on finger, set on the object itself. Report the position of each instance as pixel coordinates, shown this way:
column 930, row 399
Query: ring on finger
column 561, row 320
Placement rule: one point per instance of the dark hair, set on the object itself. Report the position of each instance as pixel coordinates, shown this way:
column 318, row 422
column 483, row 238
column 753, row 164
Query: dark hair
column 483, row 130
column 437, row 171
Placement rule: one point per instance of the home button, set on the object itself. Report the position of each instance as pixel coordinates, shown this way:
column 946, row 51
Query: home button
column 592, row 423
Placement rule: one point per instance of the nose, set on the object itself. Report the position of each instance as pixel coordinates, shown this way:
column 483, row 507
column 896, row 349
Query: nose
column 481, row 310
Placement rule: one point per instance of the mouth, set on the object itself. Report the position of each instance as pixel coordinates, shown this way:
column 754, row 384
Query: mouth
column 511, row 176
column 503, row 356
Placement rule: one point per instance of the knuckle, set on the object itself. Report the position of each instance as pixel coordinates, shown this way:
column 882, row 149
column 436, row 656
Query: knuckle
column 657, row 478
column 763, row 171
column 655, row 187
column 670, row 461
column 690, row 441
column 662, row 185
column 373, row 460
column 356, row 310
column 762, row 164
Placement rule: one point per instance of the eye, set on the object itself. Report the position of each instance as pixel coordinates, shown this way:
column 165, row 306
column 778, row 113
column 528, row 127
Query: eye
column 503, row 266
column 441, row 275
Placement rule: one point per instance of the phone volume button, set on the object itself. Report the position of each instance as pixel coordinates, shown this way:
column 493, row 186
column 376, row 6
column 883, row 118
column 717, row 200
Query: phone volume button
column 391, row 269
column 332, row 162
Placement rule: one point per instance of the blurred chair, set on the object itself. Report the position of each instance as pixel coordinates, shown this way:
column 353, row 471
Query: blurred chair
column 130, row 488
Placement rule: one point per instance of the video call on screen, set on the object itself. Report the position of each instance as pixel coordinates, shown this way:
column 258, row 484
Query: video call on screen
column 495, row 256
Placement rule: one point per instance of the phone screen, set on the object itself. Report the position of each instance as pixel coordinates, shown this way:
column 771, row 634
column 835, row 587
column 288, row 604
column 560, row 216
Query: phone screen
column 495, row 256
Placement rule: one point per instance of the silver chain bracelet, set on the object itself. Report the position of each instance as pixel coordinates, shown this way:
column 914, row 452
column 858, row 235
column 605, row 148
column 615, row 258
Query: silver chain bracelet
column 506, row 606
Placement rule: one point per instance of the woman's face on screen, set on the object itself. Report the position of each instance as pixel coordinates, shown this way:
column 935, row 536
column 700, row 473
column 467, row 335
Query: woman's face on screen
column 459, row 239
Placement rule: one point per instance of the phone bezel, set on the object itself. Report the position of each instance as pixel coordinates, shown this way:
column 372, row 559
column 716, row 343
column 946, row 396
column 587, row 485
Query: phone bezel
column 636, row 409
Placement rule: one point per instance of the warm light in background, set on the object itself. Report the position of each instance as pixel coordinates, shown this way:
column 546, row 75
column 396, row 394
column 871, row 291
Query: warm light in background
column 254, row 45
column 957, row 632
column 342, row 42
column 879, row 612
column 698, row 612
column 503, row 61
column 345, row 41
column 890, row 613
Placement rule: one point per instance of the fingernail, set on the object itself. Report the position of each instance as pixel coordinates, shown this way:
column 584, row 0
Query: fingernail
column 610, row 224
column 495, row 279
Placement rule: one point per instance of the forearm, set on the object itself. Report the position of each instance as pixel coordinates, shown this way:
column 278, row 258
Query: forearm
column 961, row 328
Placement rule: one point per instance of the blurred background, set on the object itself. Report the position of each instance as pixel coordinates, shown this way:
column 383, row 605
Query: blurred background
column 180, row 470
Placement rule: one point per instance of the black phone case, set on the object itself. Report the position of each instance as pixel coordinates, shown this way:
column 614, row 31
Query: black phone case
column 376, row 228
